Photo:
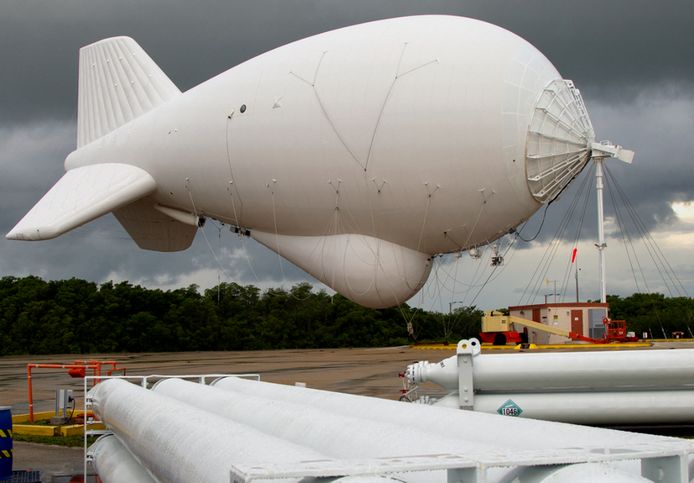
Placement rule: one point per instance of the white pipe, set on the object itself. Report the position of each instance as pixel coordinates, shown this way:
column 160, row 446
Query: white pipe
column 599, row 408
column 114, row 463
column 561, row 371
column 357, row 437
column 333, row 434
column 479, row 427
column 577, row 473
column 179, row 443
column 176, row 441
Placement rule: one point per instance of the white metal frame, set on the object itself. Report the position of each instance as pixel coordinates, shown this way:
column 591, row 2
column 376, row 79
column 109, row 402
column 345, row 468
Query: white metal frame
column 659, row 462
column 466, row 352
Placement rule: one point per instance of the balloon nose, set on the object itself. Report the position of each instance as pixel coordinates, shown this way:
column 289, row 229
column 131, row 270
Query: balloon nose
column 558, row 141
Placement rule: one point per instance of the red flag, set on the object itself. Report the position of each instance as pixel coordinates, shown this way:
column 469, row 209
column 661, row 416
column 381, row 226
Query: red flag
column 573, row 254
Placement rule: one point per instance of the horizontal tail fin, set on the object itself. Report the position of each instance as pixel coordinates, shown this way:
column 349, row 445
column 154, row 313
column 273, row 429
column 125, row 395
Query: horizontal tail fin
column 118, row 82
column 82, row 195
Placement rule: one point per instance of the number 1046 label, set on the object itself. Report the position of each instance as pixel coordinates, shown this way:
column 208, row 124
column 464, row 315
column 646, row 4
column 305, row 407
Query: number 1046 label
column 509, row 408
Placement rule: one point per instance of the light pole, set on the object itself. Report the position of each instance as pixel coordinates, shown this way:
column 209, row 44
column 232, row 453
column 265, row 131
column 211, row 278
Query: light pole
column 547, row 282
column 450, row 305
column 448, row 328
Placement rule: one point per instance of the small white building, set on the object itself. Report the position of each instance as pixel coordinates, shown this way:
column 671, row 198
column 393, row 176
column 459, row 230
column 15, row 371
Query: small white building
column 584, row 318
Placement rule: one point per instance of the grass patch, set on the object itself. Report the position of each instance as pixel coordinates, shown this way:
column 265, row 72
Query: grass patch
column 72, row 441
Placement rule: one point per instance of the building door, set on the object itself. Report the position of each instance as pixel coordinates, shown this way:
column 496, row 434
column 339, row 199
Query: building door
column 536, row 315
column 577, row 321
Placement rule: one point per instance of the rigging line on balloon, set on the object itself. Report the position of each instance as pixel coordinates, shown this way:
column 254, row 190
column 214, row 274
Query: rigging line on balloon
column 336, row 131
column 432, row 61
column 332, row 226
column 409, row 321
column 274, row 223
column 376, row 253
column 335, row 226
column 391, row 87
column 372, row 214
column 202, row 229
column 452, row 277
column 628, row 243
column 464, row 245
column 669, row 267
column 477, row 277
column 231, row 186
column 470, row 304
column 247, row 257
column 494, row 274
column 432, row 285
column 277, row 243
column 535, row 277
column 477, row 220
column 475, row 274
column 442, row 268
column 649, row 244
column 540, row 272
column 426, row 213
column 219, row 247
column 457, row 263
column 507, row 258
column 542, row 223
column 345, row 220
column 383, row 107
column 657, row 250
column 375, row 234
column 437, row 292
column 560, row 235
column 437, row 285
column 325, row 111
column 570, row 261
column 495, row 268
column 376, row 256
column 641, row 229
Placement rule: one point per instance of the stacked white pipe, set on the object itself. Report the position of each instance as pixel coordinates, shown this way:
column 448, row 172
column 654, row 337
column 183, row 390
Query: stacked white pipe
column 182, row 431
column 630, row 387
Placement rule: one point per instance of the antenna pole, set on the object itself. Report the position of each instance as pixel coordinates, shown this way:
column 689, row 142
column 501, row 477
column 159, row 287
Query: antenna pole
column 601, row 245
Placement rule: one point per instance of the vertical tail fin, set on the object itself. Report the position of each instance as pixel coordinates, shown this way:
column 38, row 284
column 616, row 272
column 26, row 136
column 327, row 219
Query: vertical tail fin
column 118, row 82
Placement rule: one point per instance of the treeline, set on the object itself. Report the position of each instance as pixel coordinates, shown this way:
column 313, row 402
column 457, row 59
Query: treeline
column 654, row 313
column 79, row 317
column 76, row 316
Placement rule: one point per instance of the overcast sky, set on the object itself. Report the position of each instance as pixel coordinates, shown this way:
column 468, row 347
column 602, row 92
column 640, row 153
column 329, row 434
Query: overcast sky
column 632, row 61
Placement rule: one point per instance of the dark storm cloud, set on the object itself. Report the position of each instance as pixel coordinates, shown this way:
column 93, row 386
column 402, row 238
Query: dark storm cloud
column 610, row 48
column 31, row 160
